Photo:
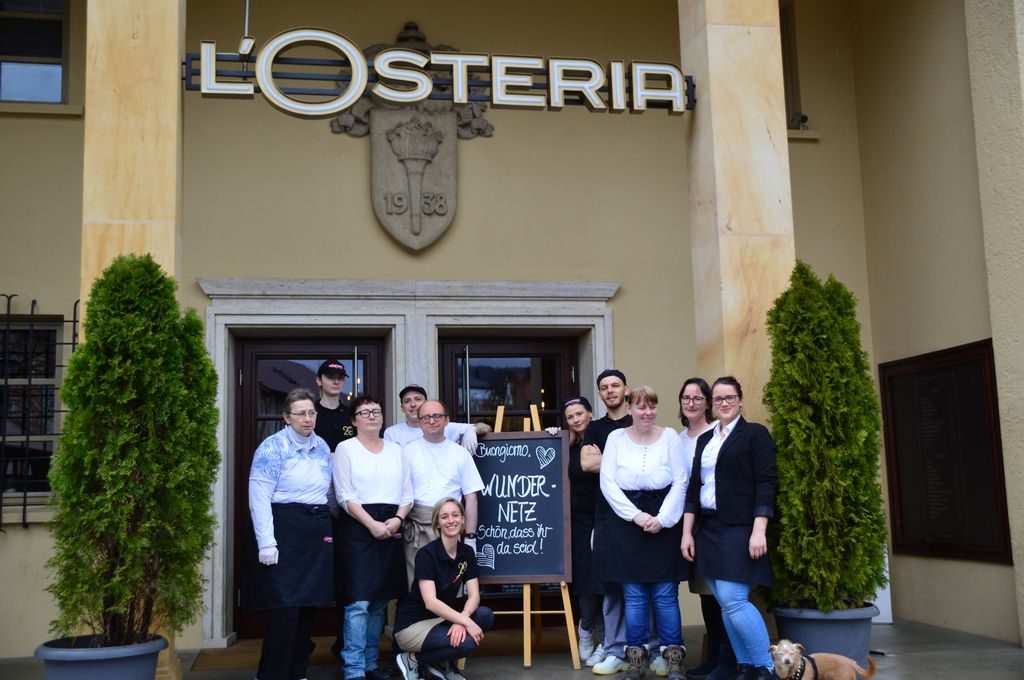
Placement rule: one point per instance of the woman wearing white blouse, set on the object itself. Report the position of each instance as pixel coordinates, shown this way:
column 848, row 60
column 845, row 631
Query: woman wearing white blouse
column 643, row 478
column 374, row 487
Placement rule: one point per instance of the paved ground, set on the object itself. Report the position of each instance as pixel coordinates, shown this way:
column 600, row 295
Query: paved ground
column 903, row 651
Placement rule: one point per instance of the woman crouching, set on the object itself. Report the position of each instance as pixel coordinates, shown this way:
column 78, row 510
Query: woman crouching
column 430, row 625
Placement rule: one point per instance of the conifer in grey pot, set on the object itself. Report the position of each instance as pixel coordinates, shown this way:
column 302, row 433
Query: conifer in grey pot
column 828, row 539
column 133, row 474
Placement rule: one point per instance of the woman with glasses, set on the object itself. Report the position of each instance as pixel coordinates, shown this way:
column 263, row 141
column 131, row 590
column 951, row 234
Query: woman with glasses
column 374, row 488
column 643, row 478
column 730, row 498
column 696, row 416
column 289, row 486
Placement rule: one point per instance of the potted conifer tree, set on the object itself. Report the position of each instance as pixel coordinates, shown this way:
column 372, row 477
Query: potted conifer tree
column 828, row 539
column 132, row 477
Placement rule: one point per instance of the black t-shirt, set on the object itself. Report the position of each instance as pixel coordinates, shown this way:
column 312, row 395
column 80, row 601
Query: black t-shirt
column 598, row 430
column 334, row 425
column 597, row 433
column 448, row 575
column 584, row 487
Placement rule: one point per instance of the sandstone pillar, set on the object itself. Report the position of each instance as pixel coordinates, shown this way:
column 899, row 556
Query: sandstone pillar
column 741, row 215
column 132, row 162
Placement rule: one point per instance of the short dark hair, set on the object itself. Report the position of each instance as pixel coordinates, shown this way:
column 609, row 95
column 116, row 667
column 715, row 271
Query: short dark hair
column 362, row 400
column 611, row 373
column 705, row 389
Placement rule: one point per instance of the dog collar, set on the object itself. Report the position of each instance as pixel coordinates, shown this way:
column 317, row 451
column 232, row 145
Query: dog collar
column 799, row 674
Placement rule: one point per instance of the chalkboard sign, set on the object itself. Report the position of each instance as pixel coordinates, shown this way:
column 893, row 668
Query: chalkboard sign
column 523, row 518
column 944, row 455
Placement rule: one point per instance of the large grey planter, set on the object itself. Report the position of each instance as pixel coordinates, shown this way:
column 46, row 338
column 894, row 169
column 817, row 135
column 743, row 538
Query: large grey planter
column 846, row 632
column 74, row 659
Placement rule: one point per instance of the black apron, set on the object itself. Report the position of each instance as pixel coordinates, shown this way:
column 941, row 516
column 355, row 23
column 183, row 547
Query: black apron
column 633, row 556
column 302, row 575
column 723, row 552
column 369, row 569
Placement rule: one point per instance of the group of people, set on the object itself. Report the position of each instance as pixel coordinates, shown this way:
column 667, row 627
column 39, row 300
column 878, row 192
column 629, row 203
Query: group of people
column 343, row 514
column 651, row 508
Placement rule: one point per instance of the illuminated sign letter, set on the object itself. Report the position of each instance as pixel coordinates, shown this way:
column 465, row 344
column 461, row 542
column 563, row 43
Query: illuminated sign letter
column 501, row 80
column 558, row 85
column 460, row 64
column 281, row 42
column 208, row 74
column 617, row 85
column 642, row 92
column 386, row 69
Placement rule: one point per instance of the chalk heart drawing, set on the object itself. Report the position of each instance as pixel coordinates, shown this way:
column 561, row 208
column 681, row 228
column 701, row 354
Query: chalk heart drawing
column 485, row 556
column 545, row 456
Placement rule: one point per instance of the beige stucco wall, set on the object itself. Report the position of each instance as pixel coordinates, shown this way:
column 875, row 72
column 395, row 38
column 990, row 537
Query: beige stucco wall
column 926, row 260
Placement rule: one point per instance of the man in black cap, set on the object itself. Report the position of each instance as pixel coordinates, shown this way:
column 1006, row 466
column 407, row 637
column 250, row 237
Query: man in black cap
column 334, row 425
column 412, row 397
column 333, row 421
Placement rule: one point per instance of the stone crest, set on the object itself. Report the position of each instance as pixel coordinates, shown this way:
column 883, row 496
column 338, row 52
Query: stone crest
column 414, row 168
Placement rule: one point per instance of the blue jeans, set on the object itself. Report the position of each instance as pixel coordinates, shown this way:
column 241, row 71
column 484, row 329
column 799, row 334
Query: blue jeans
column 615, row 628
column 364, row 622
column 743, row 623
column 665, row 598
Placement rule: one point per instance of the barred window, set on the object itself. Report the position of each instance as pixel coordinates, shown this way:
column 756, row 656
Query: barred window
column 31, row 367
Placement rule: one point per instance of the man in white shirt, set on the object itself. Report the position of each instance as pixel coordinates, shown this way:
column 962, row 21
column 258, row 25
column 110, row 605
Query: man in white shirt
column 440, row 469
column 412, row 397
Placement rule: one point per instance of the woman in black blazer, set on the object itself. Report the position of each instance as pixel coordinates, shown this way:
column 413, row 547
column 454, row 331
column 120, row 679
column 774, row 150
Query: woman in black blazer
column 729, row 499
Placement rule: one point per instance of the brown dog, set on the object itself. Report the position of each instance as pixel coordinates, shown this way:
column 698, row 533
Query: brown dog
column 791, row 664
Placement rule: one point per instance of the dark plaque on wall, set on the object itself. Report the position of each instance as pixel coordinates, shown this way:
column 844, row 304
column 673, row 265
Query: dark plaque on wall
column 523, row 524
column 944, row 455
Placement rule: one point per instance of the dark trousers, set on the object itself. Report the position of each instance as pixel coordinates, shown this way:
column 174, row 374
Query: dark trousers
column 285, row 653
column 591, row 618
column 437, row 648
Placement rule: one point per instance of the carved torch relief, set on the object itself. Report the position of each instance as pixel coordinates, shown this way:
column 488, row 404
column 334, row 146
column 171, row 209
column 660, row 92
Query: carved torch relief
column 414, row 169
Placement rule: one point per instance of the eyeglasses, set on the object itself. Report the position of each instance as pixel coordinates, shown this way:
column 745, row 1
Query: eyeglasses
column 726, row 399
column 432, row 417
column 370, row 413
column 692, row 400
column 303, row 414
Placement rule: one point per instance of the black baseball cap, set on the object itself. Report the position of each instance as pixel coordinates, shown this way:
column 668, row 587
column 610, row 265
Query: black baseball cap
column 332, row 366
column 412, row 388
column 611, row 373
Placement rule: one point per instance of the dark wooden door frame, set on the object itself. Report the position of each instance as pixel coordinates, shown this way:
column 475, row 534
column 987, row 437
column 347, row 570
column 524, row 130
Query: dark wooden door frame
column 248, row 352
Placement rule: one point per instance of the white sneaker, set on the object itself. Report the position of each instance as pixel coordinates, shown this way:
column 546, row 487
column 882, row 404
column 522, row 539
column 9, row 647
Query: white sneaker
column 586, row 646
column 611, row 665
column 597, row 657
column 660, row 666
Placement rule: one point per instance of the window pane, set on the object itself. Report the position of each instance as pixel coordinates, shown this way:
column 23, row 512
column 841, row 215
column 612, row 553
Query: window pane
column 31, row 82
column 512, row 382
column 33, row 6
column 31, row 38
column 27, row 410
column 15, row 362
column 26, row 468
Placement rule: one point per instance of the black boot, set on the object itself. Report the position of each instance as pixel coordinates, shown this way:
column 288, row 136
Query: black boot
column 710, row 663
column 746, row 672
column 726, row 669
column 762, row 673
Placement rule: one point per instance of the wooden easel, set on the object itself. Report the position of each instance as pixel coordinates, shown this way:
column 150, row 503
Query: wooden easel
column 531, row 611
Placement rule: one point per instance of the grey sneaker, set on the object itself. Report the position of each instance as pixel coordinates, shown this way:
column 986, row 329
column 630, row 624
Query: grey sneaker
column 451, row 672
column 409, row 668
column 597, row 657
column 586, row 646
column 637, row 658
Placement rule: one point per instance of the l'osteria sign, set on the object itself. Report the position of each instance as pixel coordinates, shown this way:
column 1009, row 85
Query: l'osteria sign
column 404, row 77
